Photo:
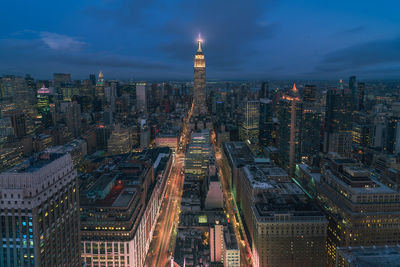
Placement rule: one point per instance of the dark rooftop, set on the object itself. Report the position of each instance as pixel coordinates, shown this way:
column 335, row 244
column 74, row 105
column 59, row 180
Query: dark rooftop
column 36, row 162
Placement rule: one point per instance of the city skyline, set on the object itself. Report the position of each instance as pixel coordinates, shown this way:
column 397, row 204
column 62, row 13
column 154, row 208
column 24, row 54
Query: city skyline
column 245, row 40
column 282, row 150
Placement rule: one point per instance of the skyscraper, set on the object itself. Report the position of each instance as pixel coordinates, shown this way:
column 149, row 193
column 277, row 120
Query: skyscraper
column 17, row 118
column 309, row 93
column 60, row 79
column 39, row 218
column 361, row 210
column 43, row 105
column 361, row 92
column 199, row 93
column 249, row 130
column 289, row 116
column 354, row 92
column 73, row 118
column 310, row 126
column 264, row 91
column 266, row 123
column 285, row 229
column 141, row 96
column 338, row 115
column 99, row 92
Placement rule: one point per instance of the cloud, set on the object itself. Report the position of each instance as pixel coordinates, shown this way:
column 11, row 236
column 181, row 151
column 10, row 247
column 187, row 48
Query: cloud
column 362, row 56
column 110, row 61
column 355, row 30
column 43, row 61
column 123, row 12
column 232, row 31
column 61, row 42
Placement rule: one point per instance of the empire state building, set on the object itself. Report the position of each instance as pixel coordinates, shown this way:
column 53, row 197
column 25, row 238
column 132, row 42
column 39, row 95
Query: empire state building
column 199, row 80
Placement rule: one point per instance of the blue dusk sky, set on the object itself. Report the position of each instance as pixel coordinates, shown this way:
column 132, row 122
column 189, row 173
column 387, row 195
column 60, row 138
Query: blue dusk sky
column 156, row 39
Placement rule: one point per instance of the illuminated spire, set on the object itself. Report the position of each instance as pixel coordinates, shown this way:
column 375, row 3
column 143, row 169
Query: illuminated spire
column 100, row 81
column 199, row 42
column 294, row 89
column 340, row 86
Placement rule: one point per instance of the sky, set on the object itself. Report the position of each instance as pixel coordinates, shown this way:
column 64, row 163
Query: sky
column 243, row 39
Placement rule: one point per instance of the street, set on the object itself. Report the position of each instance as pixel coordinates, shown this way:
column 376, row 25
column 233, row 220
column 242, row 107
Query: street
column 163, row 242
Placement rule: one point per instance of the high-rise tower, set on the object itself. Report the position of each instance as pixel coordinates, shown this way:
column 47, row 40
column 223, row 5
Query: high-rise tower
column 288, row 137
column 39, row 218
column 199, row 80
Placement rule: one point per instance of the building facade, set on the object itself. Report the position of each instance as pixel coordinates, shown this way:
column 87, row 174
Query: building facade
column 40, row 213
column 199, row 85
column 361, row 210
column 249, row 130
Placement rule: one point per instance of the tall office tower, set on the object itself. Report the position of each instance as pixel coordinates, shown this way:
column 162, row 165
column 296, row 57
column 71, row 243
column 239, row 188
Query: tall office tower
column 17, row 118
column 310, row 132
column 141, row 96
column 99, row 91
column 6, row 129
column 310, row 93
column 30, row 82
column 73, row 118
column 378, row 132
column 392, row 140
column 87, row 90
column 249, row 129
column 310, row 135
column 113, row 95
column 354, row 92
column 338, row 120
column 361, row 93
column 362, row 131
column 40, row 213
column 199, row 85
column 92, row 78
column 60, row 79
column 10, row 85
column 361, row 210
column 285, row 228
column 198, row 153
column 120, row 141
column 266, row 125
column 144, row 138
column 43, row 105
column 288, row 137
column 216, row 242
column 264, row 91
column 17, row 91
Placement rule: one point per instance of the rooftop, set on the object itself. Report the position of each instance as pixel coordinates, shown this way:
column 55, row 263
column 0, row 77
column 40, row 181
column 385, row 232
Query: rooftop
column 264, row 176
column 272, row 204
column 35, row 162
column 124, row 197
column 239, row 153
column 371, row 256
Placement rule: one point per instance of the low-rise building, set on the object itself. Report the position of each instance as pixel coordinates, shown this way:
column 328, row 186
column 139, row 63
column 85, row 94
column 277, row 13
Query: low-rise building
column 121, row 201
column 368, row 256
